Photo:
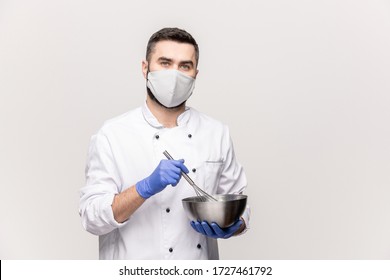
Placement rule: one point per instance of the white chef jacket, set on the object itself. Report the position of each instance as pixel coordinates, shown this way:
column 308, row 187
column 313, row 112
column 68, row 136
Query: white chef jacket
column 126, row 150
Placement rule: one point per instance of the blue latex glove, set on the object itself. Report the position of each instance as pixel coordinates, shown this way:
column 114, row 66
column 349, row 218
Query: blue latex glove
column 214, row 231
column 168, row 172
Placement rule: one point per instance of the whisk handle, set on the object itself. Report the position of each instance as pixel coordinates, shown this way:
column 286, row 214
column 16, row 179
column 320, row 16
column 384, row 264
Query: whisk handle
column 189, row 180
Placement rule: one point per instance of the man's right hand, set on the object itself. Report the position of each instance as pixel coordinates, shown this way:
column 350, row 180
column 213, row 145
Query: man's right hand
column 168, row 172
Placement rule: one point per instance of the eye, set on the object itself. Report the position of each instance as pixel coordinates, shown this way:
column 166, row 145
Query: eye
column 164, row 63
column 185, row 67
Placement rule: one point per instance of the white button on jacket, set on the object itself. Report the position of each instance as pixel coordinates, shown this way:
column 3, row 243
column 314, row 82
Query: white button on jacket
column 126, row 150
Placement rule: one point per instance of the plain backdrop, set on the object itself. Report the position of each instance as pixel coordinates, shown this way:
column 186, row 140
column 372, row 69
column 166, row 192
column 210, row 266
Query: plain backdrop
column 303, row 85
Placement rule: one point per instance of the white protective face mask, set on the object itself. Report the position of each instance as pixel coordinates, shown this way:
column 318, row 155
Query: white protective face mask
column 170, row 87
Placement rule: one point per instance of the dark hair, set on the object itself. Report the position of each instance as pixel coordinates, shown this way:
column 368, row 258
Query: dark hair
column 171, row 34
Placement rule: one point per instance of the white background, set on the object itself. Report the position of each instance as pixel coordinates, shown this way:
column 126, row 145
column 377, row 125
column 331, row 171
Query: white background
column 303, row 85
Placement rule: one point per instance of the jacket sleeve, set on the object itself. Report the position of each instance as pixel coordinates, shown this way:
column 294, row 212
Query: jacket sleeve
column 102, row 184
column 233, row 178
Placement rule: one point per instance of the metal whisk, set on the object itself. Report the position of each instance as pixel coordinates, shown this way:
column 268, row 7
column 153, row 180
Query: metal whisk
column 204, row 196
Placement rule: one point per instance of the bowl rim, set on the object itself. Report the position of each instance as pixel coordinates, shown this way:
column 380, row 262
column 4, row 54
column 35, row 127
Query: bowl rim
column 193, row 199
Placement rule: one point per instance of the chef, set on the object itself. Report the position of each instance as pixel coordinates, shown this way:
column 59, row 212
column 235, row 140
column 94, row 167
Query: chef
column 132, row 196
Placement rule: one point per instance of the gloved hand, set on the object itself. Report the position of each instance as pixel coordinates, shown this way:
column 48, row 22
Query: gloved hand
column 215, row 231
column 168, row 172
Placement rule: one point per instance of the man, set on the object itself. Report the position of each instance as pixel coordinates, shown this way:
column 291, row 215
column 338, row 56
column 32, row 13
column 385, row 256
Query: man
column 132, row 198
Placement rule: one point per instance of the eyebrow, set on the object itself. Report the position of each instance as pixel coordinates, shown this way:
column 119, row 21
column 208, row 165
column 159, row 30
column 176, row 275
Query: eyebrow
column 163, row 58
column 187, row 62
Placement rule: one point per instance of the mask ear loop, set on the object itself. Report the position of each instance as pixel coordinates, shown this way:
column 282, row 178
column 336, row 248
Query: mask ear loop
column 147, row 80
column 147, row 73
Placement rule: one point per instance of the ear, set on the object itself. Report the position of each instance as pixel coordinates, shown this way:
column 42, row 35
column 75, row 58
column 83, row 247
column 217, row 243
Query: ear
column 144, row 68
column 196, row 74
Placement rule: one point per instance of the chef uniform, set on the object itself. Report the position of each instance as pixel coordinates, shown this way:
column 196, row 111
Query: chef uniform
column 126, row 150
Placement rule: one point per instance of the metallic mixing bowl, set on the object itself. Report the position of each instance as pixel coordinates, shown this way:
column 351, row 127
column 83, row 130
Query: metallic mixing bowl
column 224, row 212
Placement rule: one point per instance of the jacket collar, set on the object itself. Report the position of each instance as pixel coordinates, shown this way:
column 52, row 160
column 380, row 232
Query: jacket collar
column 151, row 119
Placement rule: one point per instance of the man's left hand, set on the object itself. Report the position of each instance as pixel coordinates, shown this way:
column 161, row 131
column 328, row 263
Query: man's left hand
column 214, row 231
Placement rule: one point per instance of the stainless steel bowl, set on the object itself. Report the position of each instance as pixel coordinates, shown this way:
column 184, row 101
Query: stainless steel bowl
column 224, row 212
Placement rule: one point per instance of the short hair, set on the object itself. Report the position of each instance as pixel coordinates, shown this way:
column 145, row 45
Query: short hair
column 171, row 34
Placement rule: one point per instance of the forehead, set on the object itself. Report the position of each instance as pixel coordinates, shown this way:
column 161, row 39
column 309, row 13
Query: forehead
column 173, row 50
